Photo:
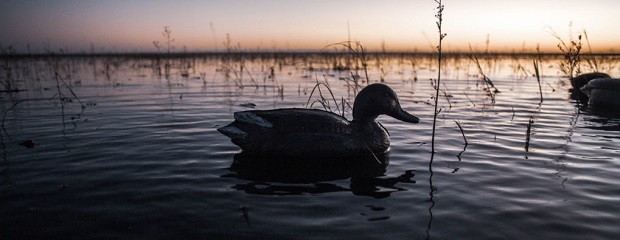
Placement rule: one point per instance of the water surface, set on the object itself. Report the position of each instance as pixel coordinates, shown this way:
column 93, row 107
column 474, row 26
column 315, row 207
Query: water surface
column 142, row 157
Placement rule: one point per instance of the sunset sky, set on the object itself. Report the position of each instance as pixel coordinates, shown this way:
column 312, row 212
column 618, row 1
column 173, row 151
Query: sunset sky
column 120, row 26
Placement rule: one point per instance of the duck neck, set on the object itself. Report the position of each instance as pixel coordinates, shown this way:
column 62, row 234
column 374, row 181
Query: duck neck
column 363, row 120
column 372, row 134
column 366, row 125
column 363, row 114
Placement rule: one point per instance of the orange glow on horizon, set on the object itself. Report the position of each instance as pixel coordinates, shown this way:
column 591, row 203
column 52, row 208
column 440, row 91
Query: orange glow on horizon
column 399, row 25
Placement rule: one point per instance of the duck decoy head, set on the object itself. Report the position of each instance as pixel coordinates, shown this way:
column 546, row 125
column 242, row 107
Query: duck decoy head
column 377, row 99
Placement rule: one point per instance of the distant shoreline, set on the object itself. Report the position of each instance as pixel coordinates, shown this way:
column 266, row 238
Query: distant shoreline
column 296, row 53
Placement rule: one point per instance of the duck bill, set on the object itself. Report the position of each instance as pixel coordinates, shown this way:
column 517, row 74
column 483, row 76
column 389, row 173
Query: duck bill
column 404, row 116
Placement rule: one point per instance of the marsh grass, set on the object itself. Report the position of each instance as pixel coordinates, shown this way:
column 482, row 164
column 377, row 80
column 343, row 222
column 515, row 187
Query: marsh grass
column 571, row 51
column 183, row 66
column 233, row 64
column 356, row 52
column 489, row 87
column 537, row 72
column 597, row 62
column 167, row 34
column 359, row 62
column 157, row 63
column 61, row 96
column 339, row 106
column 65, row 99
column 8, row 81
column 592, row 61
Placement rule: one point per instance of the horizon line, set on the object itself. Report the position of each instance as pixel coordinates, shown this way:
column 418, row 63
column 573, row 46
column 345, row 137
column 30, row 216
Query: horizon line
column 295, row 52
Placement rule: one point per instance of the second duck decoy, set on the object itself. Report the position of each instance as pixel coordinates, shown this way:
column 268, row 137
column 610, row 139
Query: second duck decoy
column 581, row 80
column 603, row 93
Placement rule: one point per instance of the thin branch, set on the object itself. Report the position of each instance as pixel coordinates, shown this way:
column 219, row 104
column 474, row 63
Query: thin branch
column 462, row 132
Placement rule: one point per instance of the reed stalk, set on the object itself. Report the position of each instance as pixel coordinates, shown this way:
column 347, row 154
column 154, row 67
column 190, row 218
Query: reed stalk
column 167, row 34
column 528, row 133
column 462, row 132
column 490, row 87
column 442, row 35
column 591, row 57
column 432, row 188
column 537, row 72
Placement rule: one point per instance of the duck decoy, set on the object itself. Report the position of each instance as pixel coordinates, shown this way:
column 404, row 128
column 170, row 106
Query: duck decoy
column 603, row 93
column 581, row 80
column 316, row 133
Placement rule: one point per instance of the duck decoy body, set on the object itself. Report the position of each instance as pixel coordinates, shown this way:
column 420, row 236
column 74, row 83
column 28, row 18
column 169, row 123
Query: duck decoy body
column 581, row 80
column 311, row 132
column 603, row 93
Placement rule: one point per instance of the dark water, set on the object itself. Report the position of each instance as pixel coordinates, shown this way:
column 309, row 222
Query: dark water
column 143, row 158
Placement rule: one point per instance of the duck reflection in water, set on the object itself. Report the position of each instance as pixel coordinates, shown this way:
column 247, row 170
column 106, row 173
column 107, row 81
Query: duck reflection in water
column 278, row 176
